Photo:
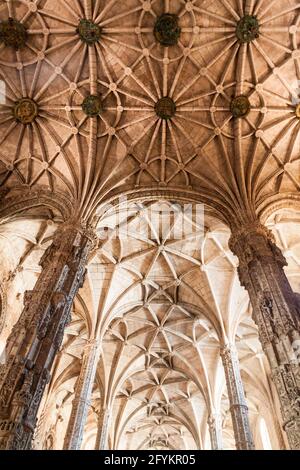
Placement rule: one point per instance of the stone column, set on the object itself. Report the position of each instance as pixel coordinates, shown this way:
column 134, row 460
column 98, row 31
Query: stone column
column 276, row 311
column 38, row 334
column 83, row 392
column 103, row 429
column 215, row 430
column 236, row 395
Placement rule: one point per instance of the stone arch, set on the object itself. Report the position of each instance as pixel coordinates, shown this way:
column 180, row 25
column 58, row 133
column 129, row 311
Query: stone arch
column 275, row 203
column 18, row 202
column 213, row 206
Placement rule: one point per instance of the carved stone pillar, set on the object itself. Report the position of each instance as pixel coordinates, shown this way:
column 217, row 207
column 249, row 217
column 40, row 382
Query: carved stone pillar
column 236, row 395
column 276, row 311
column 83, row 392
column 38, row 334
column 103, row 428
column 215, row 430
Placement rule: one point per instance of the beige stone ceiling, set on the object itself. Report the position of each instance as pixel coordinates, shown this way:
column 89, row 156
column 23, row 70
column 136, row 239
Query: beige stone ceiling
column 162, row 314
column 230, row 163
column 162, row 306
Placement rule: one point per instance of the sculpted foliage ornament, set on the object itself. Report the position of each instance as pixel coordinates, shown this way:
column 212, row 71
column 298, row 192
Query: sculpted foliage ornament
column 13, row 33
column 167, row 30
column 247, row 29
column 88, row 31
column 240, row 106
column 165, row 108
column 25, row 110
column 92, row 105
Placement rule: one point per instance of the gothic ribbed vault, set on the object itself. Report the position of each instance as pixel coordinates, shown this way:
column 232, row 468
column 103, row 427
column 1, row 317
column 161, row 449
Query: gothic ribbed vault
column 93, row 105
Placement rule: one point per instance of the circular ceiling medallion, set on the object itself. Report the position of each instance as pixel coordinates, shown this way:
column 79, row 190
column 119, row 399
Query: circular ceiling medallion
column 240, row 106
column 13, row 33
column 247, row 29
column 298, row 111
column 88, row 31
column 25, row 110
column 167, row 30
column 92, row 105
column 165, row 108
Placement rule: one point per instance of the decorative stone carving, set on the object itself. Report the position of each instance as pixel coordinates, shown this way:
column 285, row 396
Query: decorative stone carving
column 165, row 108
column 37, row 336
column 236, row 395
column 83, row 391
column 247, row 29
column 92, row 105
column 276, row 312
column 13, row 33
column 240, row 106
column 88, row 31
column 167, row 30
column 49, row 444
column 25, row 110
column 103, row 428
column 215, row 430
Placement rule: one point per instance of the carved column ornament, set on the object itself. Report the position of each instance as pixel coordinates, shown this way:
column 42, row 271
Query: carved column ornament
column 215, row 430
column 83, row 392
column 103, row 429
column 276, row 312
column 236, row 395
column 38, row 334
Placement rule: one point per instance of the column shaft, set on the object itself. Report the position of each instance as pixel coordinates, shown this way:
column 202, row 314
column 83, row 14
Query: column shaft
column 103, row 428
column 276, row 311
column 236, row 395
column 215, row 430
column 83, row 392
column 38, row 334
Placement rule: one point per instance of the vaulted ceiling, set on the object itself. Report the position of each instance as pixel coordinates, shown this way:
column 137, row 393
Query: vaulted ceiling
column 200, row 148
column 97, row 108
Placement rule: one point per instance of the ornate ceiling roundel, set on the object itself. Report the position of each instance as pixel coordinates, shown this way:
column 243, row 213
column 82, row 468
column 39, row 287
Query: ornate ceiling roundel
column 200, row 97
column 193, row 95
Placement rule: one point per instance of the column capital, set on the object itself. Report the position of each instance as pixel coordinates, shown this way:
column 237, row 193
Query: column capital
column 213, row 417
column 75, row 224
column 227, row 348
column 250, row 228
column 90, row 345
column 254, row 241
column 228, row 352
